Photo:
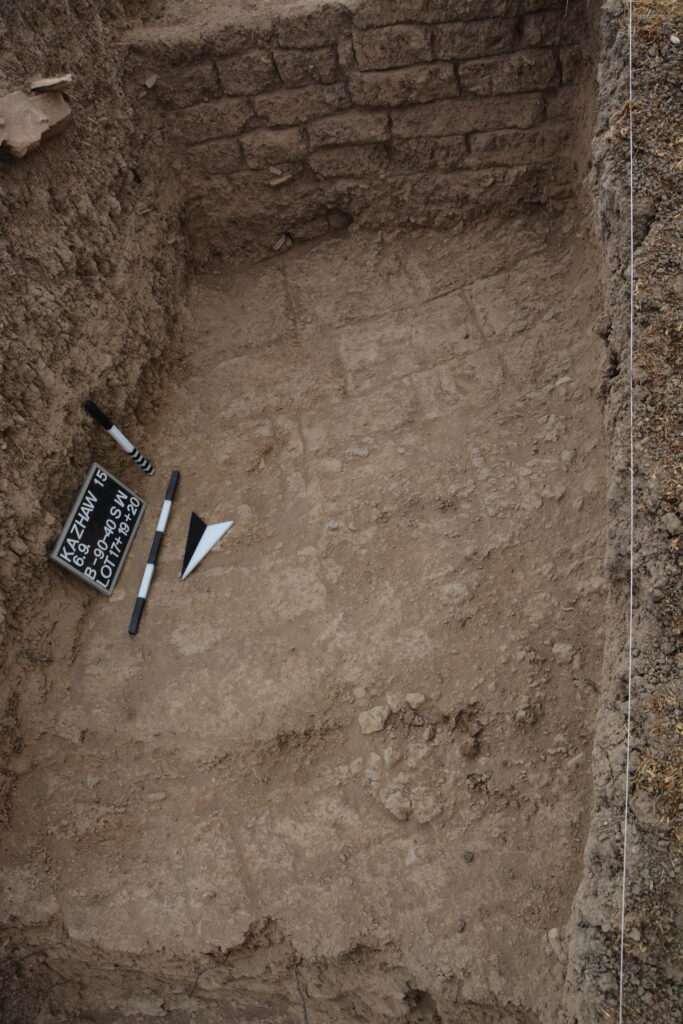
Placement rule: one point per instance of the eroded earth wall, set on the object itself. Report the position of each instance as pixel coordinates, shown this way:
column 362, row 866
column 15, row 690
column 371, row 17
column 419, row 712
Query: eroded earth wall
column 384, row 113
column 91, row 265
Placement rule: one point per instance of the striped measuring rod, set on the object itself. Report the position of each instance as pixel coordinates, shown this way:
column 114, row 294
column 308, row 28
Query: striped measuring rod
column 154, row 553
column 120, row 438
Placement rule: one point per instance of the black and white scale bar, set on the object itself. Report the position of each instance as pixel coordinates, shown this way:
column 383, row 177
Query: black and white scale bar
column 120, row 438
column 154, row 553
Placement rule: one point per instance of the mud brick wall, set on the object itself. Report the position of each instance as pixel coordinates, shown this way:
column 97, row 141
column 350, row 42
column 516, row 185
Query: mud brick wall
column 384, row 113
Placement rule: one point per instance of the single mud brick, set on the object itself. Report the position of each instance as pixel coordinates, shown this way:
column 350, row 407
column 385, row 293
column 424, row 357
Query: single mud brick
column 453, row 192
column 391, row 47
column 542, row 28
column 211, row 120
column 267, row 146
column 474, row 38
column 516, row 72
column 295, row 106
column 319, row 28
column 380, row 12
column 247, row 73
column 219, row 156
column 417, row 84
column 348, row 161
column 304, row 67
column 430, row 154
column 351, row 126
column 185, row 86
column 507, row 148
column 459, row 116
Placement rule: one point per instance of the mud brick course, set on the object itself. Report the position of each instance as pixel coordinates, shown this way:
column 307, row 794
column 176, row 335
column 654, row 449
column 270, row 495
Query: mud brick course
column 329, row 107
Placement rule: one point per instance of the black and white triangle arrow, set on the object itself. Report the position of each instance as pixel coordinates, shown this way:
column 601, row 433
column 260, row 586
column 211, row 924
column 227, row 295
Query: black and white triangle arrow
column 200, row 539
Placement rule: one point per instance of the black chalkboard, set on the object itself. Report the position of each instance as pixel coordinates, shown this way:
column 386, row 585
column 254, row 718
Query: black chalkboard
column 99, row 530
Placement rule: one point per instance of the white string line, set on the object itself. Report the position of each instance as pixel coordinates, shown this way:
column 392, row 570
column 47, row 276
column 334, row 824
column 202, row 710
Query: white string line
column 631, row 515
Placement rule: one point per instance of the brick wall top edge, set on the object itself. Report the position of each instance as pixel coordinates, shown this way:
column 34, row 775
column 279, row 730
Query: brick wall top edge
column 319, row 27
column 377, row 13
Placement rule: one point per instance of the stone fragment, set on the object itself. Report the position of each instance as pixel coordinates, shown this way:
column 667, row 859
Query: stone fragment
column 469, row 747
column 26, row 119
column 555, row 943
column 247, row 73
column 267, row 145
column 282, row 179
column 283, row 242
column 515, row 72
column 296, row 106
column 672, row 524
column 60, row 83
column 459, row 40
column 391, row 47
column 304, row 67
column 349, row 161
column 468, row 114
column 349, row 126
column 373, row 720
column 398, row 805
column 416, row 84
column 415, row 700
column 394, row 701
column 468, row 856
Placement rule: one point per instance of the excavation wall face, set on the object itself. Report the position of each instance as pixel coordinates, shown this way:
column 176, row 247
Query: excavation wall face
column 403, row 113
column 91, row 271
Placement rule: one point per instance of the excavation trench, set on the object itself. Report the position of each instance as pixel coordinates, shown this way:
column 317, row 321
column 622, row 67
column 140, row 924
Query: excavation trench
column 344, row 769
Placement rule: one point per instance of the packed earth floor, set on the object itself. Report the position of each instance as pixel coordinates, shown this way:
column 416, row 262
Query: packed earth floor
column 369, row 712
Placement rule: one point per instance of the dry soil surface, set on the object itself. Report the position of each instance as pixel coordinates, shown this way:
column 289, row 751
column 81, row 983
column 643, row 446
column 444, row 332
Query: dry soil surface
column 367, row 716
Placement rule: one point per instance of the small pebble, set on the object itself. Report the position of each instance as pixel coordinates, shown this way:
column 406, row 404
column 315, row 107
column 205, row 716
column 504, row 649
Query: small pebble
column 373, row 720
column 672, row 524
column 415, row 700
column 468, row 856
column 469, row 747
